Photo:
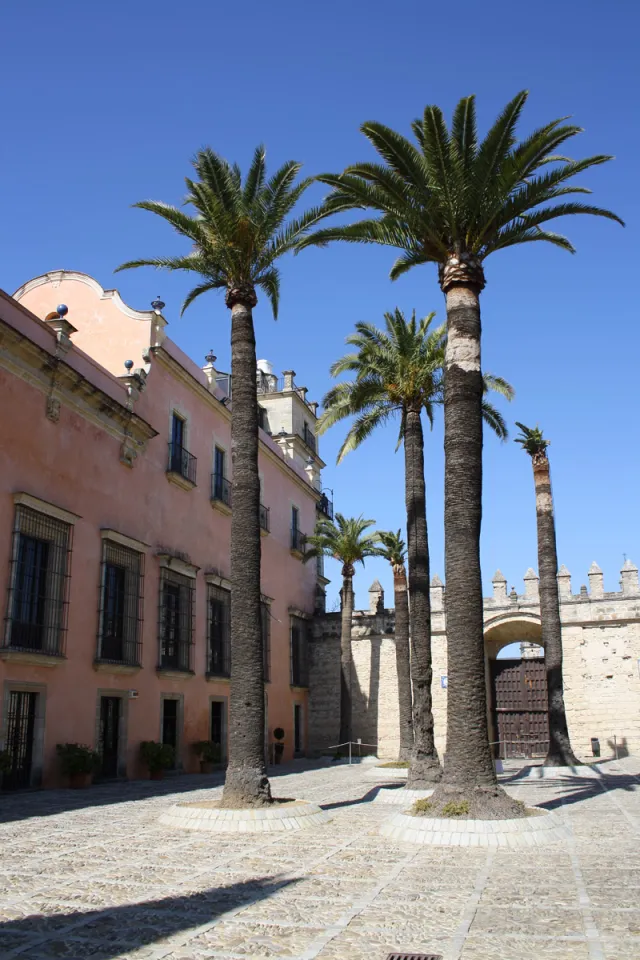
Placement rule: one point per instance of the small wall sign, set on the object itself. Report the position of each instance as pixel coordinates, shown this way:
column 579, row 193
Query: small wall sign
column 444, row 682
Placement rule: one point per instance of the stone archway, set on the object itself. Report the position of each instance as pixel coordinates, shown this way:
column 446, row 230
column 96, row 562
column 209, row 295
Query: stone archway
column 516, row 688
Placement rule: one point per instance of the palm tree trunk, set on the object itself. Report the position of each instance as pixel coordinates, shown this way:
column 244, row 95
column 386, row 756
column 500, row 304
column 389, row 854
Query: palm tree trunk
column 246, row 781
column 425, row 767
column 560, row 752
column 403, row 662
column 345, row 660
column 468, row 760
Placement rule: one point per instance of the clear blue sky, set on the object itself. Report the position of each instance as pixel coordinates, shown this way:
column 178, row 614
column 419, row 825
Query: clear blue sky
column 105, row 104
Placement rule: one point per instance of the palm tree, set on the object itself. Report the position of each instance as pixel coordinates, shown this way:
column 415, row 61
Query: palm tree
column 450, row 200
column 560, row 752
column 237, row 233
column 345, row 540
column 394, row 552
column 398, row 372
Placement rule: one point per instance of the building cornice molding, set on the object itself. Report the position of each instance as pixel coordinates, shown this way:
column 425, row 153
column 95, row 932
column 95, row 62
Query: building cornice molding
column 177, row 564
column 138, row 545
column 33, row 364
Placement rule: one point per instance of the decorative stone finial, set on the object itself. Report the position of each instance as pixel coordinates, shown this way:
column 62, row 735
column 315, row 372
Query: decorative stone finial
column 376, row 597
column 62, row 309
column 564, row 582
column 596, row 581
column 513, row 595
column 210, row 358
column 629, row 578
column 499, row 587
column 128, row 365
column 531, row 585
column 436, row 594
column 158, row 305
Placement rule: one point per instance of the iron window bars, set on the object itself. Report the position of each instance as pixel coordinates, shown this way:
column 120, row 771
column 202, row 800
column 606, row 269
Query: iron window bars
column 264, row 518
column 121, row 605
column 220, row 489
column 265, row 631
column 175, row 621
column 299, row 652
column 219, row 631
column 39, row 577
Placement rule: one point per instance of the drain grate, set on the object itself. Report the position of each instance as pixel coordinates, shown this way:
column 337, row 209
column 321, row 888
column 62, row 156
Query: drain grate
column 414, row 956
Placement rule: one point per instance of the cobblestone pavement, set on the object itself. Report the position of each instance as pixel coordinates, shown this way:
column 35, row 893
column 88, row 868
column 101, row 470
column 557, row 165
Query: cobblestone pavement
column 92, row 874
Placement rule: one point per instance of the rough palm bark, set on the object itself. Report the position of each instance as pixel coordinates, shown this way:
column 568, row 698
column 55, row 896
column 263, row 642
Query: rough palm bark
column 560, row 752
column 425, row 766
column 246, row 781
column 403, row 661
column 346, row 666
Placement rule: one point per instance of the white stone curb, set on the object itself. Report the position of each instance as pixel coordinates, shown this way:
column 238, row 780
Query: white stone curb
column 400, row 796
column 584, row 771
column 387, row 773
column 261, row 820
column 535, row 831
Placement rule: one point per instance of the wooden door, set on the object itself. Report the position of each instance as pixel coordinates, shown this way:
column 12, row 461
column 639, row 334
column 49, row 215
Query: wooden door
column 520, row 707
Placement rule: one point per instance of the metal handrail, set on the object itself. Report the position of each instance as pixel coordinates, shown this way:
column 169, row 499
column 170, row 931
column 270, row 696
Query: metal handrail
column 356, row 743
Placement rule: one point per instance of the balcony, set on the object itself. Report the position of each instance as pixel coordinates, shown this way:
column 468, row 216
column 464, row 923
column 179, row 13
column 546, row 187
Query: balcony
column 298, row 543
column 220, row 493
column 264, row 519
column 181, row 468
column 325, row 506
column 308, row 437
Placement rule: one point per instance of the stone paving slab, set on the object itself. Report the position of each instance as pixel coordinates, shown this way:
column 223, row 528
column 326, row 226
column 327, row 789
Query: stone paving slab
column 94, row 874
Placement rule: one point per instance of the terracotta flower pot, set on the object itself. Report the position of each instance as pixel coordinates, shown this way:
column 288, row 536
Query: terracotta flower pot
column 79, row 781
column 156, row 774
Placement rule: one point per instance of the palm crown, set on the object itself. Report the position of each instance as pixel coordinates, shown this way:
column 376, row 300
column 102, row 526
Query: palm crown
column 449, row 196
column 239, row 229
column 532, row 441
column 394, row 548
column 345, row 540
column 396, row 369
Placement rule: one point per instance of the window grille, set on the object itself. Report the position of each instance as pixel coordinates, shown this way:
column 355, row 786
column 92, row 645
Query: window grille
column 121, row 605
column 219, row 627
column 175, row 621
column 299, row 652
column 265, row 630
column 38, row 583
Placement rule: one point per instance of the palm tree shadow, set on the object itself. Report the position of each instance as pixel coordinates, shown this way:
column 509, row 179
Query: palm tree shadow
column 583, row 789
column 109, row 932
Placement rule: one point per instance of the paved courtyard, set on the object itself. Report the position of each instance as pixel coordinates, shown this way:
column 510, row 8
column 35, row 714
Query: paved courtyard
column 93, row 874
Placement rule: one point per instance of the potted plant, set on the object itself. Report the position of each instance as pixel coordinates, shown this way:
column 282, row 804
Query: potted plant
column 208, row 753
column 158, row 757
column 278, row 747
column 78, row 762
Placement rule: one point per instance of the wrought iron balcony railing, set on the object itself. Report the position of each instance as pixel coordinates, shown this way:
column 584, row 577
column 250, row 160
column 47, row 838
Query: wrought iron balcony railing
column 325, row 506
column 220, row 489
column 298, row 541
column 182, row 462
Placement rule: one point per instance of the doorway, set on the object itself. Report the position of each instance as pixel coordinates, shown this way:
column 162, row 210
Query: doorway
column 170, row 720
column 520, row 707
column 218, row 729
column 19, row 743
column 109, row 737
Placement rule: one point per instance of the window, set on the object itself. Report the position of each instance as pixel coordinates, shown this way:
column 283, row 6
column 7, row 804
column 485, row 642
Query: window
column 263, row 423
column 219, row 663
column 265, row 630
column 181, row 461
column 299, row 659
column 120, row 636
column 220, row 486
column 264, row 511
column 176, row 621
column 297, row 538
column 38, row 593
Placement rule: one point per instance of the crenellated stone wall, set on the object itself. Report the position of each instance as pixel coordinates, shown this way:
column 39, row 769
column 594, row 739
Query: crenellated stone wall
column 601, row 642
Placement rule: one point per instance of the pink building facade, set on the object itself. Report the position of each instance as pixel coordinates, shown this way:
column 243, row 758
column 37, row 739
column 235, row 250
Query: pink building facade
column 115, row 516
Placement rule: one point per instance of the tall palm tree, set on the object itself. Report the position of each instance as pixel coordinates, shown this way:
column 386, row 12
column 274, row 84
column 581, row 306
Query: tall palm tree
column 238, row 230
column 451, row 200
column 398, row 372
column 347, row 541
column 560, row 752
column 394, row 552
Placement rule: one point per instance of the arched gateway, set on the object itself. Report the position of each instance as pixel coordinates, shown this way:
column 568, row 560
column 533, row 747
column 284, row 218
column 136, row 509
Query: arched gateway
column 601, row 648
